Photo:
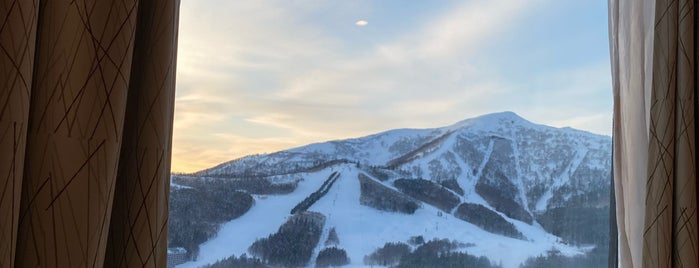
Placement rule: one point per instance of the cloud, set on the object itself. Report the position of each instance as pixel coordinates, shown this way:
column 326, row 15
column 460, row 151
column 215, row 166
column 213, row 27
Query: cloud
column 260, row 76
column 462, row 30
column 361, row 23
column 222, row 147
column 431, row 62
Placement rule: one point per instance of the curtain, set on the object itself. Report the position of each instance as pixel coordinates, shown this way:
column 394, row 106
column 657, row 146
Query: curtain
column 86, row 122
column 631, row 46
column 17, row 35
column 654, row 72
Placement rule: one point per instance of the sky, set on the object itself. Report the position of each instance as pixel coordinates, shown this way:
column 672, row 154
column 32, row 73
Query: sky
column 267, row 75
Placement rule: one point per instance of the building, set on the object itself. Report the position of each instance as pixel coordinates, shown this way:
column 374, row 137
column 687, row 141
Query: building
column 176, row 256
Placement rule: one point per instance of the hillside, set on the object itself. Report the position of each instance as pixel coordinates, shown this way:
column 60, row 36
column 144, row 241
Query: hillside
column 493, row 184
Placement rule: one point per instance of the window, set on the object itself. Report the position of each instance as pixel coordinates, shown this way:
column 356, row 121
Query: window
column 392, row 133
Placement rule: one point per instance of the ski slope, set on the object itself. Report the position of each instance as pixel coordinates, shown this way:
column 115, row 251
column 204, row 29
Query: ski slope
column 362, row 229
column 542, row 156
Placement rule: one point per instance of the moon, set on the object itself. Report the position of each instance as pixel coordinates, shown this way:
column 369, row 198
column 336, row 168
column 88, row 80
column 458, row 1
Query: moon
column 361, row 23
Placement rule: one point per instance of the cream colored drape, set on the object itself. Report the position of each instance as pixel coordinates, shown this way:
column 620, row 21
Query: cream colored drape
column 653, row 66
column 86, row 108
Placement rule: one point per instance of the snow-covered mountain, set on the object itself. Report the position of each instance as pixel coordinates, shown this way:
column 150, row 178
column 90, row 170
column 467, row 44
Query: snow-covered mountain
column 501, row 186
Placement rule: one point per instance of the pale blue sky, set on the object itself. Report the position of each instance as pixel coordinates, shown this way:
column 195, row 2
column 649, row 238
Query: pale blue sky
column 261, row 76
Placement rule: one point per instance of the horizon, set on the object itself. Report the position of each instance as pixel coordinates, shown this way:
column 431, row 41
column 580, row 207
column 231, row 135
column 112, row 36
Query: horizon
column 288, row 73
column 381, row 132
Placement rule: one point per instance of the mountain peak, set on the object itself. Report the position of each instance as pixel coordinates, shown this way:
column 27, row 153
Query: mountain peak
column 498, row 177
column 506, row 115
column 492, row 120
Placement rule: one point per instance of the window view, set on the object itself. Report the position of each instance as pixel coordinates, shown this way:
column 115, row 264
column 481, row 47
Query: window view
column 391, row 134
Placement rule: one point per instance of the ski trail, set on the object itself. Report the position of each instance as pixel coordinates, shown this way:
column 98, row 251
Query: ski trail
column 469, row 191
column 265, row 217
column 326, row 228
column 518, row 174
column 321, row 241
column 465, row 180
column 486, row 158
column 562, row 178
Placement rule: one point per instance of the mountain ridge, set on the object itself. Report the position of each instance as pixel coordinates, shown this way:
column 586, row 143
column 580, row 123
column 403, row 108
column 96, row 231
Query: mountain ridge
column 483, row 122
column 543, row 187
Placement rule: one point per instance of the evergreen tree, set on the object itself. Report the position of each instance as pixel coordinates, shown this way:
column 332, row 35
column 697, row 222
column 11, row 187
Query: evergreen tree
column 332, row 239
column 332, row 257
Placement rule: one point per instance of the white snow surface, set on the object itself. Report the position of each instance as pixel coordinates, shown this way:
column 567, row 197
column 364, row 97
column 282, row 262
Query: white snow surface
column 175, row 185
column 381, row 148
column 362, row 229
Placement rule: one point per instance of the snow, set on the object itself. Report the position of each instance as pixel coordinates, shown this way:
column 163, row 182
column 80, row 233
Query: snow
column 264, row 218
column 519, row 180
column 486, row 158
column 561, row 180
column 362, row 229
column 178, row 186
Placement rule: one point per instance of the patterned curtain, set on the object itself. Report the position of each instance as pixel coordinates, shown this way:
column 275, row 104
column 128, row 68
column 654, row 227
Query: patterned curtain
column 654, row 70
column 86, row 109
column 670, row 230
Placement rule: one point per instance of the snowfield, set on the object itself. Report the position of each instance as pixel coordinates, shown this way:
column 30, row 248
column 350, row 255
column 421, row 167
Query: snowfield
column 546, row 167
column 362, row 229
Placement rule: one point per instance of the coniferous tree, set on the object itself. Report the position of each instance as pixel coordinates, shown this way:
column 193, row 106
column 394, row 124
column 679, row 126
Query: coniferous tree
column 333, row 239
column 332, row 257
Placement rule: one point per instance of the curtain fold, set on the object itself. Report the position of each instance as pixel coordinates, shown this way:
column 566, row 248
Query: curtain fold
column 670, row 236
column 88, row 92
column 654, row 132
column 138, row 235
column 17, row 39
column 631, row 46
column 76, row 117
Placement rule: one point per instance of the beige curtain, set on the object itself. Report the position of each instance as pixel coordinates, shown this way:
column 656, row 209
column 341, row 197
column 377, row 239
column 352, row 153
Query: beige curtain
column 653, row 66
column 87, row 104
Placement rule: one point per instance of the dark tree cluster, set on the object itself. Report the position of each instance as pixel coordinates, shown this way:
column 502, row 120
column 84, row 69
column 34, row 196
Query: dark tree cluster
column 495, row 184
column 251, row 185
column 440, row 253
column 453, row 185
column 553, row 258
column 325, row 164
column 332, row 257
column 578, row 194
column 414, row 154
column 500, row 196
column 197, row 213
column 242, row 262
column 388, row 255
column 378, row 196
column 428, row 192
column 333, row 239
column 487, row 219
column 378, row 172
column 447, row 259
column 416, row 240
column 406, row 144
column 317, row 195
column 253, row 167
column 293, row 243
column 536, row 191
column 470, row 148
column 434, row 253
column 577, row 225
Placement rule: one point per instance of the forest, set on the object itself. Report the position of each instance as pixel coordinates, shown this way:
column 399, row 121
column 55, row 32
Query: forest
column 293, row 243
column 197, row 213
column 487, row 219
